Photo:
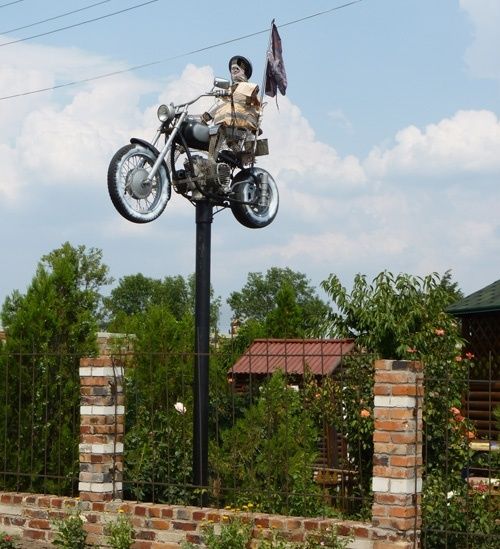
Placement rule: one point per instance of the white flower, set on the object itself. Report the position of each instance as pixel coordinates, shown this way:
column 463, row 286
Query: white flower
column 180, row 407
column 449, row 495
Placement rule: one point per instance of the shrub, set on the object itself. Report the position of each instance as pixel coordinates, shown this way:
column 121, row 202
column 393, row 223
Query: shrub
column 6, row 541
column 120, row 533
column 269, row 454
column 70, row 531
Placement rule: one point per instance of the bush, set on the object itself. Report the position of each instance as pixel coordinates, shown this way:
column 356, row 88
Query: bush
column 269, row 454
column 458, row 516
column 7, row 541
column 120, row 533
column 70, row 532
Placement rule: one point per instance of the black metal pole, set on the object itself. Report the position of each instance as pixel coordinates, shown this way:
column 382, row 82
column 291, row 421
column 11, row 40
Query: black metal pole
column 204, row 218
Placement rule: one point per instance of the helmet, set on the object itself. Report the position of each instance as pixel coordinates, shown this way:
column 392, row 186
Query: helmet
column 242, row 62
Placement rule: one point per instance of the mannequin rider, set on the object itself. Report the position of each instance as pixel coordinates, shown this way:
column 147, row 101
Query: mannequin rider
column 241, row 108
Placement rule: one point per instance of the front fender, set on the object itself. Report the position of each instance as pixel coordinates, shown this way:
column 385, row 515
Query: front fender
column 152, row 148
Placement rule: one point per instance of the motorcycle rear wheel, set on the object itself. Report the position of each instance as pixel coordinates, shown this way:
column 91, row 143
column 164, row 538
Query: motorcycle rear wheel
column 132, row 195
column 247, row 192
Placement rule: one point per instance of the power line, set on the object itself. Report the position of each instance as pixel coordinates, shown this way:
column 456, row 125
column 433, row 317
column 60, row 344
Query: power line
column 186, row 54
column 53, row 18
column 77, row 24
column 10, row 3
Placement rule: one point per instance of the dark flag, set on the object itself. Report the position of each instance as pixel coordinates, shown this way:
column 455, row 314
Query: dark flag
column 275, row 68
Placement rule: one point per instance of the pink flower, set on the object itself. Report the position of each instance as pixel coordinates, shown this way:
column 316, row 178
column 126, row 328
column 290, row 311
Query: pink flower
column 481, row 487
column 470, row 435
column 439, row 331
column 364, row 413
column 411, row 350
column 458, row 358
column 459, row 417
column 455, row 411
column 469, row 356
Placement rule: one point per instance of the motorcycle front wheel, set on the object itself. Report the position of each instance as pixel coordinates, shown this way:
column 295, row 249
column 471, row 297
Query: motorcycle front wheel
column 136, row 198
column 256, row 198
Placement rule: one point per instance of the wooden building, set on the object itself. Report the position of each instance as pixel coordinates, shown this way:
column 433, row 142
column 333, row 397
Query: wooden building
column 479, row 314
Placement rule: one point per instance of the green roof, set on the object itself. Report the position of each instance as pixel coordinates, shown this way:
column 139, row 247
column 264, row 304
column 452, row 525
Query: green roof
column 487, row 299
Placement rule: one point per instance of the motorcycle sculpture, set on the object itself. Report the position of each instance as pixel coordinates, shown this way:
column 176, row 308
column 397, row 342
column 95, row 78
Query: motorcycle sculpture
column 201, row 161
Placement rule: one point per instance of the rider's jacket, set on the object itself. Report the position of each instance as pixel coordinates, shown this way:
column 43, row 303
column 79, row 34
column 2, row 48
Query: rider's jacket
column 241, row 109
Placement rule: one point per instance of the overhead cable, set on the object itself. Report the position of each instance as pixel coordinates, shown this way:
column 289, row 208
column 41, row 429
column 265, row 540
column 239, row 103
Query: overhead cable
column 165, row 60
column 55, row 17
column 78, row 24
column 10, row 3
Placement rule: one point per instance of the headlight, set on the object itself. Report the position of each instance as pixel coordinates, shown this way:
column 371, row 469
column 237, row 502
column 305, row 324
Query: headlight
column 165, row 112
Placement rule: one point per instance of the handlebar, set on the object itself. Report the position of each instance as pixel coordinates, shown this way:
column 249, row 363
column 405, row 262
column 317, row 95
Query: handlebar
column 214, row 93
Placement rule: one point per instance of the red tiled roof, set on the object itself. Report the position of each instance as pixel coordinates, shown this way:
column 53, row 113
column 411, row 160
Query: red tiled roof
column 292, row 356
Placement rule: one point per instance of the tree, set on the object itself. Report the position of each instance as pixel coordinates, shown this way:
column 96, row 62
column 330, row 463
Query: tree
column 158, row 441
column 135, row 294
column 47, row 330
column 285, row 320
column 269, row 453
column 403, row 317
column 258, row 298
column 394, row 315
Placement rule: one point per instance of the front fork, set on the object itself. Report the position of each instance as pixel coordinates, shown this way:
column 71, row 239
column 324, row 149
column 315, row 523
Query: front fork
column 166, row 148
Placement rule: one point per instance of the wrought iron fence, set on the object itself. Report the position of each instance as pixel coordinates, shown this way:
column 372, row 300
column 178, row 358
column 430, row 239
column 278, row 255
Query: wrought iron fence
column 285, row 430
column 290, row 432
column 461, row 494
column 39, row 415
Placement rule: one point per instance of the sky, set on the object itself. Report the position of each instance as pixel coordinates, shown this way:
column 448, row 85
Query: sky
column 385, row 148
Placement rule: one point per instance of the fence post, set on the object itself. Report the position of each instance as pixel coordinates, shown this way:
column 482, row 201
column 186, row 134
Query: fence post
column 101, row 429
column 397, row 456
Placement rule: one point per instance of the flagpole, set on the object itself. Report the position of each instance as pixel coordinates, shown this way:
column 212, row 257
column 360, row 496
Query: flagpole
column 262, row 89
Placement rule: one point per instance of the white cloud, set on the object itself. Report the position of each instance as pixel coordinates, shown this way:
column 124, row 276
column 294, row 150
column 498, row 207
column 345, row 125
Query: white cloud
column 11, row 181
column 73, row 144
column 340, row 120
column 466, row 143
column 305, row 161
column 482, row 55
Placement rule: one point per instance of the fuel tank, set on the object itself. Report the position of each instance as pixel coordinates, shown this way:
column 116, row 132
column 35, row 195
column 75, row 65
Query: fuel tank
column 195, row 133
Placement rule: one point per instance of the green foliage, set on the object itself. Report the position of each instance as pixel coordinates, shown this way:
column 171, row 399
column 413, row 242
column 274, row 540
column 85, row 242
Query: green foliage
column 286, row 319
column 120, row 532
column 158, row 456
column 70, row 532
column 6, row 541
column 158, row 438
column 269, row 453
column 258, row 298
column 456, row 516
column 394, row 315
column 48, row 329
column 402, row 317
column 233, row 533
column 136, row 294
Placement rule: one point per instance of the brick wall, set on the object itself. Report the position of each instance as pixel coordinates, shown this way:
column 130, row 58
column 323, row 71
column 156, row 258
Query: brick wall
column 164, row 526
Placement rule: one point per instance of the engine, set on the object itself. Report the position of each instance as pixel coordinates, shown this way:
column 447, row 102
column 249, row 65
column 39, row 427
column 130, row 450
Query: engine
column 203, row 174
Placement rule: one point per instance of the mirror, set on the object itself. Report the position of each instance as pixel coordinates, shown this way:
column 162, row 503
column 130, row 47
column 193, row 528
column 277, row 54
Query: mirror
column 222, row 83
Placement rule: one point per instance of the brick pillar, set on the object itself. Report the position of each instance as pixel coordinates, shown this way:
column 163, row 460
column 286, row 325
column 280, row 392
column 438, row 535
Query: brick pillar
column 397, row 457
column 101, row 429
